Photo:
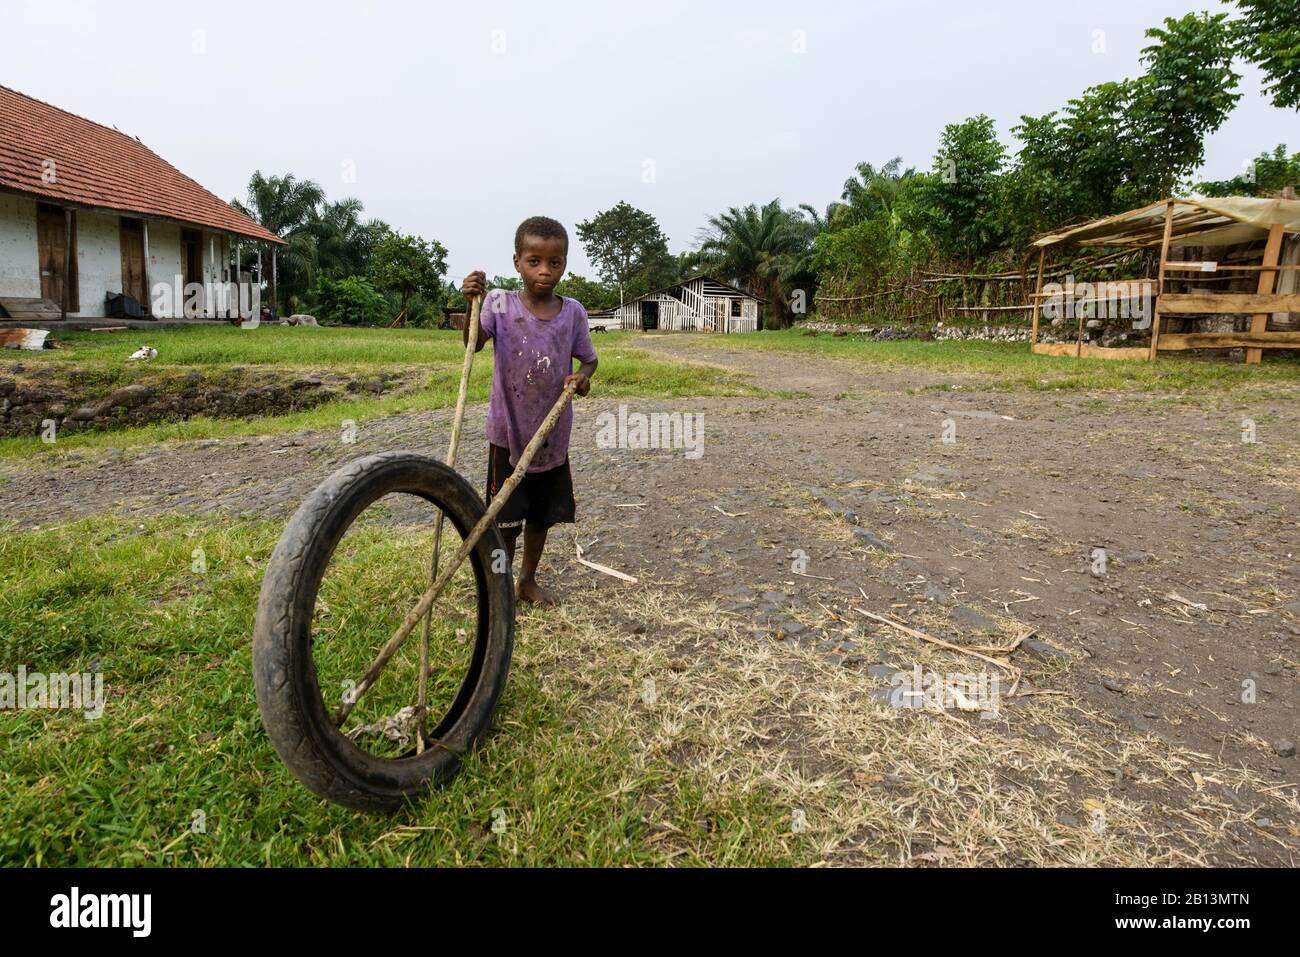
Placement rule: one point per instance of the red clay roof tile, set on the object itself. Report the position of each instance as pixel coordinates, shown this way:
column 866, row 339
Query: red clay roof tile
column 100, row 167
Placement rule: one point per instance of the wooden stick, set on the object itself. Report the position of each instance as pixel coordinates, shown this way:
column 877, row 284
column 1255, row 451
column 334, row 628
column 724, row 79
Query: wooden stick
column 1011, row 669
column 471, row 347
column 1267, row 277
column 1160, row 280
column 1038, row 291
column 431, row 595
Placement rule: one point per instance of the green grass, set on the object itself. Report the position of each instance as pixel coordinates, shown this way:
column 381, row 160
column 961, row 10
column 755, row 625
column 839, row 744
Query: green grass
column 99, row 357
column 1011, row 366
column 181, row 733
column 222, row 345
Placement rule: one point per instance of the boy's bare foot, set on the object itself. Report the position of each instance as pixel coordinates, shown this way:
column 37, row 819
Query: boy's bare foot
column 535, row 594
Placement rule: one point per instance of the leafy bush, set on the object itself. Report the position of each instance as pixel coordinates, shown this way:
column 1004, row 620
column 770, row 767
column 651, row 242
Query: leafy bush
column 351, row 302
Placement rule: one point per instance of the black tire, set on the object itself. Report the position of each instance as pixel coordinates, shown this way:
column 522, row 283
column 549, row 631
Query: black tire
column 284, row 672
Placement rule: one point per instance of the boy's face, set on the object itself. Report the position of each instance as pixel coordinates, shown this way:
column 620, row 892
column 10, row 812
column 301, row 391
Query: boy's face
column 541, row 264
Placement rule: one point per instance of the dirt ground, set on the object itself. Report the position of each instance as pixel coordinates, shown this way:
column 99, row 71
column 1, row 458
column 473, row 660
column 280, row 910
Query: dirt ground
column 1151, row 550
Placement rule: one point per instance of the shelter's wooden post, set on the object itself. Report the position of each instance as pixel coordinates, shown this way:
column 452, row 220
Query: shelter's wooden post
column 275, row 285
column 1038, row 291
column 1160, row 279
column 1267, row 278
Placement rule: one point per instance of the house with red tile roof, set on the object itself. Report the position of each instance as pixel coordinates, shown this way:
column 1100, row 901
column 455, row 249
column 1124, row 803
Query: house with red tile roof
column 89, row 214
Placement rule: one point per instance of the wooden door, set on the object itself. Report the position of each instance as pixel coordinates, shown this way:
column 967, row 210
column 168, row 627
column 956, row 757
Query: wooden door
column 133, row 279
column 52, row 250
column 191, row 270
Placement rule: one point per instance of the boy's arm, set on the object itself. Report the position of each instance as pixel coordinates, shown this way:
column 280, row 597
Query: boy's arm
column 585, row 352
column 583, row 377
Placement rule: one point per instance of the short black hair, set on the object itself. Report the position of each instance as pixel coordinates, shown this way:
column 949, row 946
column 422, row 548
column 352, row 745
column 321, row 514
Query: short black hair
column 542, row 227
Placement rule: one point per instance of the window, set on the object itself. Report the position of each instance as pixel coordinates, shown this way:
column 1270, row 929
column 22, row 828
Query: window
column 735, row 309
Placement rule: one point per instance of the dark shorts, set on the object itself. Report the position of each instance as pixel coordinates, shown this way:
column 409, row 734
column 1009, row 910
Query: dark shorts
column 542, row 498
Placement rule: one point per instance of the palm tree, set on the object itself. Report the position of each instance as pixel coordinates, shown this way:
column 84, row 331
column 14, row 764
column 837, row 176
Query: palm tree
column 758, row 248
column 287, row 206
column 872, row 190
column 343, row 242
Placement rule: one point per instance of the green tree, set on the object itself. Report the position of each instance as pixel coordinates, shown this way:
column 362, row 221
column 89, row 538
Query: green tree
column 408, row 266
column 1186, row 94
column 352, row 301
column 592, row 294
column 344, row 244
column 961, row 198
column 1268, row 174
column 286, row 206
column 1127, row 143
column 1268, row 35
column 760, row 249
column 624, row 242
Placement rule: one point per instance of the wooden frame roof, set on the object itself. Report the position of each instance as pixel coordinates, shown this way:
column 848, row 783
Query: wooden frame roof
column 1205, row 222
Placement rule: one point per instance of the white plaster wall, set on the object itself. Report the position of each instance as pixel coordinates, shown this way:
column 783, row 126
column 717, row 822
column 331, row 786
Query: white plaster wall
column 99, row 260
column 20, row 269
column 165, row 262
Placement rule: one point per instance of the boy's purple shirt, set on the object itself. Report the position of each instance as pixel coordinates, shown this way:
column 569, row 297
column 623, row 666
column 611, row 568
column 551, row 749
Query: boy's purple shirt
column 531, row 359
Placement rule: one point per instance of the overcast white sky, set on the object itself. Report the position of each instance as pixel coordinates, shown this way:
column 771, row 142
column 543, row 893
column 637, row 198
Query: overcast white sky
column 461, row 119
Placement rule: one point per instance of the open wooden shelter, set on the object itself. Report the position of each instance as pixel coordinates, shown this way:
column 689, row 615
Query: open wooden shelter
column 1255, row 245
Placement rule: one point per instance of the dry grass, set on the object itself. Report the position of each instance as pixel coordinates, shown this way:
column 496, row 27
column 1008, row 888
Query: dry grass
column 1048, row 782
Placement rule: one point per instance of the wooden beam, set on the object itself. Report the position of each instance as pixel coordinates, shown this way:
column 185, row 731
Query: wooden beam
column 1267, row 279
column 1160, row 279
column 1230, row 340
column 1211, row 303
column 1219, row 267
column 1088, row 351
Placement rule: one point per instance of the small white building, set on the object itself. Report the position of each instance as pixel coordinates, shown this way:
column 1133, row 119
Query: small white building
column 87, row 213
column 698, row 304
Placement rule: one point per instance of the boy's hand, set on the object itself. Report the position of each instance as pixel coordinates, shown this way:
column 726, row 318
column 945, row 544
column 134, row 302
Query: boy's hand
column 581, row 382
column 475, row 284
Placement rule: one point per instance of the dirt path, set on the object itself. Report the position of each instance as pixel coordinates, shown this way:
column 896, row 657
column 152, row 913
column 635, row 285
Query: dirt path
column 1151, row 550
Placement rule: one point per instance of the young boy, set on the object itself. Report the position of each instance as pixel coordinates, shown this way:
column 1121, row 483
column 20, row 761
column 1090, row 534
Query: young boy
column 536, row 336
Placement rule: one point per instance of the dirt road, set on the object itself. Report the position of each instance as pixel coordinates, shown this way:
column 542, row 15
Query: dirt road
column 1151, row 551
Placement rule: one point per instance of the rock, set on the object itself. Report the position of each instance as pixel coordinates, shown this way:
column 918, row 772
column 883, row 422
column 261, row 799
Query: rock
column 791, row 629
column 1043, row 648
column 973, row 619
column 1110, row 684
column 299, row 319
column 1284, row 748
column 868, row 537
column 126, row 397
